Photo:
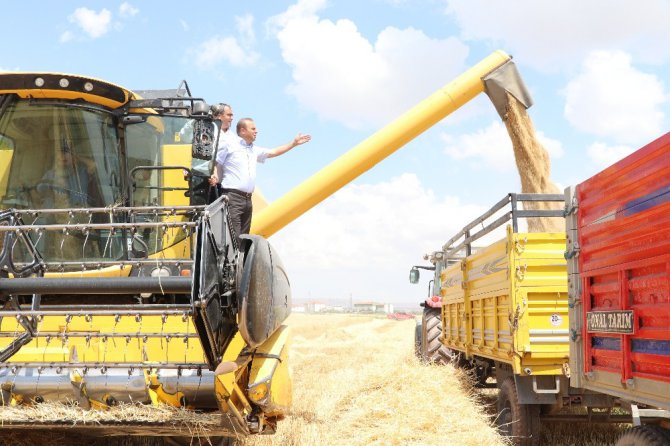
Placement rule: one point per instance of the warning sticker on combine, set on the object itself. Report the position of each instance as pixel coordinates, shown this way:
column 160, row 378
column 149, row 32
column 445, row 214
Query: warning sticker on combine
column 610, row 322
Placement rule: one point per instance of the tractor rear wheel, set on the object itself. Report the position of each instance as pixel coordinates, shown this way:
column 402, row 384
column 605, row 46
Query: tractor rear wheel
column 520, row 422
column 432, row 348
column 647, row 435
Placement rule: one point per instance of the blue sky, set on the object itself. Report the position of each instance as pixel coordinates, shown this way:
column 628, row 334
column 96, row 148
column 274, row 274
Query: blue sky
column 340, row 70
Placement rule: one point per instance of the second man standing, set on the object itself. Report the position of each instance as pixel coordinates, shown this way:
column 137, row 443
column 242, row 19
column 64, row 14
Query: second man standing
column 235, row 171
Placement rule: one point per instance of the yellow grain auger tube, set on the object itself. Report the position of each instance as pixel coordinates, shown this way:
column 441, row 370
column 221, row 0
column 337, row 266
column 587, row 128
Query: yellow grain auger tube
column 118, row 283
column 496, row 75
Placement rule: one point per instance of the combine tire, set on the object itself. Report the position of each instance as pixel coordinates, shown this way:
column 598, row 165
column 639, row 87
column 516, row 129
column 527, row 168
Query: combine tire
column 520, row 422
column 648, row 435
column 433, row 350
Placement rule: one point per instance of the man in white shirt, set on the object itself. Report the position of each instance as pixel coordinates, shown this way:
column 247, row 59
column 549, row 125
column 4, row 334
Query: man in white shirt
column 236, row 170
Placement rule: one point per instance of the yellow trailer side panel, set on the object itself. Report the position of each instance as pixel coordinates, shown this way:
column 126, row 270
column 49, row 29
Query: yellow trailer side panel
column 508, row 302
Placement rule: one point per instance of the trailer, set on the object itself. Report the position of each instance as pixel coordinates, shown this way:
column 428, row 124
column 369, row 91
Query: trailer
column 504, row 314
column 580, row 318
column 618, row 252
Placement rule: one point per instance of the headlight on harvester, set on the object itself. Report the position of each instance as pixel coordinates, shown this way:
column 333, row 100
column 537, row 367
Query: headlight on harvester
column 160, row 272
column 258, row 392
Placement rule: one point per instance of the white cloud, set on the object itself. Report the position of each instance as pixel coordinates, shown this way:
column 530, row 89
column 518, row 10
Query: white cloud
column 366, row 237
column 94, row 24
column 184, row 25
column 603, row 155
column 128, row 10
column 341, row 75
column 299, row 10
column 245, row 28
column 552, row 35
column 236, row 51
column 611, row 98
column 492, row 147
column 220, row 49
column 66, row 37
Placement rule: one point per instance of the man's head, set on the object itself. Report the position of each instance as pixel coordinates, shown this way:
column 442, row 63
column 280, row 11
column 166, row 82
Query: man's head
column 246, row 129
column 224, row 113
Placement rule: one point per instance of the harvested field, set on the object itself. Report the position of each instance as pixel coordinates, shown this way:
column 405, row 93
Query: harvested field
column 355, row 382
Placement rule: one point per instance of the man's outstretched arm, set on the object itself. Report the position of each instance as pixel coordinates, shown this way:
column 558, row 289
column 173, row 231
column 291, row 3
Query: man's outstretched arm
column 280, row 150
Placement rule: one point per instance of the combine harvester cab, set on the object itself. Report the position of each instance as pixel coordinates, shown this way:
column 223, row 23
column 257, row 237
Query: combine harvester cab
column 118, row 283
column 618, row 225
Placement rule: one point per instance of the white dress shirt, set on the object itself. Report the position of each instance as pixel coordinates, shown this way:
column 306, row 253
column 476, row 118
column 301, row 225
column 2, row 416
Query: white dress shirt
column 236, row 164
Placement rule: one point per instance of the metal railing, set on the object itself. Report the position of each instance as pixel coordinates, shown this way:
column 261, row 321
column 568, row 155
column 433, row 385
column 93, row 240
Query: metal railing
column 462, row 241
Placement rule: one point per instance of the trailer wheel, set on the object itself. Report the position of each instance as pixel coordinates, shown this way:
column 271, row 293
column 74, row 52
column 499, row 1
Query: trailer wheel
column 417, row 340
column 433, row 350
column 520, row 422
column 647, row 435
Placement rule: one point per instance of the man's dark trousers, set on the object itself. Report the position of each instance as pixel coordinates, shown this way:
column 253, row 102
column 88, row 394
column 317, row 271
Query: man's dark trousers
column 240, row 210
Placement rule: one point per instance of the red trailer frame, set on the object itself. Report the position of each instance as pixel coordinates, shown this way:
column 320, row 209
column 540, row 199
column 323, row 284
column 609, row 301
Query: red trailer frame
column 618, row 226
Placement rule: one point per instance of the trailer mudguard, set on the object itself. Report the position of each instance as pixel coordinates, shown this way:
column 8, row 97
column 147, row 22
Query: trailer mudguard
column 263, row 291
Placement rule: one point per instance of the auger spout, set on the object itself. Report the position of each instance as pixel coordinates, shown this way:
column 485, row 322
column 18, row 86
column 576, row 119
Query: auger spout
column 375, row 148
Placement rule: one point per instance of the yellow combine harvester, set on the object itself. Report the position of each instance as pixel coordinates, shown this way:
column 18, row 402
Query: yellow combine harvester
column 118, row 283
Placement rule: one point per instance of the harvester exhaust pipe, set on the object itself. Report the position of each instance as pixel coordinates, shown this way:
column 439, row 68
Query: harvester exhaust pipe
column 375, row 148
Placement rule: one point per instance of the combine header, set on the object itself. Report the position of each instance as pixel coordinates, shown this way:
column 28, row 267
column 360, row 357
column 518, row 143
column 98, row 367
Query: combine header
column 118, row 283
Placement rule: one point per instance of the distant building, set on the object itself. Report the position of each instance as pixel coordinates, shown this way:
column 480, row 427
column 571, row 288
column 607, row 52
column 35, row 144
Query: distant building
column 315, row 307
column 372, row 307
